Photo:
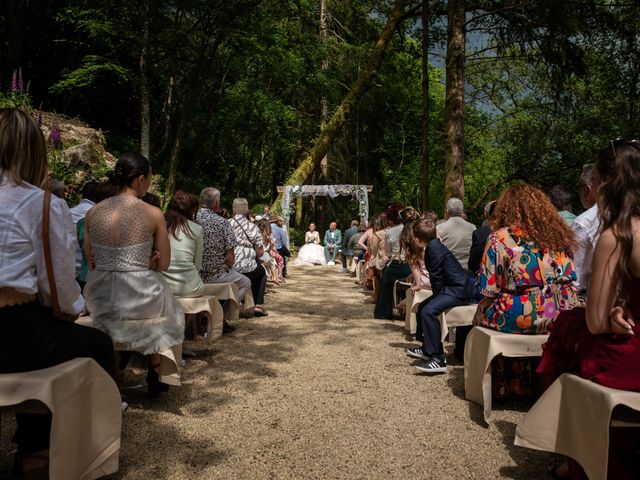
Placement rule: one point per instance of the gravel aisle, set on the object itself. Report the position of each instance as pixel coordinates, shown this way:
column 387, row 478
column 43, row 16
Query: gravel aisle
column 317, row 390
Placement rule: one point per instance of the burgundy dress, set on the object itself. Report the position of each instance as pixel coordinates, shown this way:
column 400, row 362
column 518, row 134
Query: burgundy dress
column 608, row 359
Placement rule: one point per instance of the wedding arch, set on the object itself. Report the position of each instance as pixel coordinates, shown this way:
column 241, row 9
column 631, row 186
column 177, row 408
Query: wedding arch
column 361, row 193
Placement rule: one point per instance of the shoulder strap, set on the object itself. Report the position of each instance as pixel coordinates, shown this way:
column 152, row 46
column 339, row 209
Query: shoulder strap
column 55, row 306
column 243, row 230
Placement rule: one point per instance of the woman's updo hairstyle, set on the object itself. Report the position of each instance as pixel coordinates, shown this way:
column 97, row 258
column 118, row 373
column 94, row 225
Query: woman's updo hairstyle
column 129, row 166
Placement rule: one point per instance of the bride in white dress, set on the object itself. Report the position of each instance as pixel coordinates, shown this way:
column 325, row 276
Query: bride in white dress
column 311, row 253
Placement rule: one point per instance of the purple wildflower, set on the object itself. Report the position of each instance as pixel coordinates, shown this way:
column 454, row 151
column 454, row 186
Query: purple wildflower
column 20, row 81
column 14, row 81
column 55, row 137
column 164, row 200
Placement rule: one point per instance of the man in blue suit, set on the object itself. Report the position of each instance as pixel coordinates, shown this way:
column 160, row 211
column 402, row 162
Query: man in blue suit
column 451, row 286
column 332, row 242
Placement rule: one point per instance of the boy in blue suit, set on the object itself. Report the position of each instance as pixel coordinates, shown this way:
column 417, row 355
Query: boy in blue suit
column 452, row 287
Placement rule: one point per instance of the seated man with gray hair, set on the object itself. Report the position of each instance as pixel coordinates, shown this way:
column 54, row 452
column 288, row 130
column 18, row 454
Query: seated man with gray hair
column 249, row 248
column 455, row 232
column 218, row 245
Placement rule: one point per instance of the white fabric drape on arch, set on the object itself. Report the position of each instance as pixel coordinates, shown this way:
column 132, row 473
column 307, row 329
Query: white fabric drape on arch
column 360, row 191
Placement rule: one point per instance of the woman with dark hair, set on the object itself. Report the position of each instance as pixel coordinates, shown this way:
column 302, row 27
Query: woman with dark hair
column 603, row 343
column 186, row 238
column 31, row 338
column 396, row 268
column 127, row 245
column 526, row 272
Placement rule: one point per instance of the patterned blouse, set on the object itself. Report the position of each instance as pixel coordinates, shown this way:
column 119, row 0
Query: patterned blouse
column 524, row 288
column 248, row 238
column 218, row 238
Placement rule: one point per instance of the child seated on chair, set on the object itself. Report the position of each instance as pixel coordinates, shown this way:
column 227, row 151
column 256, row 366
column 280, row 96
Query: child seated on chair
column 451, row 286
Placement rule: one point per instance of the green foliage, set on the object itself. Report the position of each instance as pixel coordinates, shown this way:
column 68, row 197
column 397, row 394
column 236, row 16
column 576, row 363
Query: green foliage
column 548, row 83
column 15, row 100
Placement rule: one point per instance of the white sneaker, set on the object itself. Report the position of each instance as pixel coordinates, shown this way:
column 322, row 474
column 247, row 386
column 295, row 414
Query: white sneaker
column 331, row 263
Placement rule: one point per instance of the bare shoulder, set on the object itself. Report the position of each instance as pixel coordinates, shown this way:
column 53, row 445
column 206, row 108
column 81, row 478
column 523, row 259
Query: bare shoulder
column 153, row 214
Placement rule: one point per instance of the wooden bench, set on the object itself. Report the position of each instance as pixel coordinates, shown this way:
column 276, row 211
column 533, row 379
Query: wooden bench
column 85, row 405
column 482, row 346
column 573, row 418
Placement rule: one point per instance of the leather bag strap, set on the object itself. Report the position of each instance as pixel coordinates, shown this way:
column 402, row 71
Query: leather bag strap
column 55, row 306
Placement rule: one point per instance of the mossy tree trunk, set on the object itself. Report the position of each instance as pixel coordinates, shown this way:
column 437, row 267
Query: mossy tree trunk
column 328, row 134
column 454, row 100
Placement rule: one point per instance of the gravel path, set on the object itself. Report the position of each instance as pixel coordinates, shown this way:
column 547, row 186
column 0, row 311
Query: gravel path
column 317, row 390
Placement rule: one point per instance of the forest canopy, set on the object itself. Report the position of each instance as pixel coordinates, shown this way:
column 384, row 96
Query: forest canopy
column 236, row 93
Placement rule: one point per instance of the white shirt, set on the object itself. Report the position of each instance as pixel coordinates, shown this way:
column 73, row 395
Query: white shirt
column 78, row 213
column 392, row 243
column 586, row 228
column 22, row 264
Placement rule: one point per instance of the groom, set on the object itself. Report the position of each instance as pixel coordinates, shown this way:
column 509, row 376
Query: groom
column 332, row 242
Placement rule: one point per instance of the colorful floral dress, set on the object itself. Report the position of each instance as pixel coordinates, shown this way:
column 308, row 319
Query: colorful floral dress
column 524, row 288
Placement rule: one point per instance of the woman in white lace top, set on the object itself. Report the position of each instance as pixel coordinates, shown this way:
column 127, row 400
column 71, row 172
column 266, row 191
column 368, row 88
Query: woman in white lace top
column 30, row 338
column 127, row 245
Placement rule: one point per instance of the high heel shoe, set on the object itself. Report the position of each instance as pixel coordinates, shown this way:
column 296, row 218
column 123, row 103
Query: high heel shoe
column 154, row 385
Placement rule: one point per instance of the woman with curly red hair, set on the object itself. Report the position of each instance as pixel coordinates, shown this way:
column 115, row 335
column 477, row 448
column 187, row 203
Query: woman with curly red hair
column 527, row 271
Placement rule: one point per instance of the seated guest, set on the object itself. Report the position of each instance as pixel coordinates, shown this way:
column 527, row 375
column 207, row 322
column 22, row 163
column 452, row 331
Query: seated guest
column 586, row 227
column 151, row 199
column 281, row 240
column 561, row 198
column 268, row 260
column 413, row 249
column 332, row 243
column 396, row 268
column 604, row 345
column 127, row 245
column 346, row 251
column 78, row 212
column 31, row 337
column 353, row 246
column 102, row 191
column 455, row 232
column 249, row 248
column 218, row 245
column 526, row 273
column 186, row 239
column 451, row 286
column 479, row 239
column 377, row 257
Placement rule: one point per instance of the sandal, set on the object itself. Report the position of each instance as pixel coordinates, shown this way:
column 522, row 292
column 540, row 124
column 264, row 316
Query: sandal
column 259, row 312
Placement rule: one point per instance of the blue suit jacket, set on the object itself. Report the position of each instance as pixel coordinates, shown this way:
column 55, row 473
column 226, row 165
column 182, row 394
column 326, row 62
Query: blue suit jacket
column 338, row 238
column 446, row 274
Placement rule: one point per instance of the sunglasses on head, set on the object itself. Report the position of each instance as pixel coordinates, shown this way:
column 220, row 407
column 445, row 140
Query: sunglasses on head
column 618, row 142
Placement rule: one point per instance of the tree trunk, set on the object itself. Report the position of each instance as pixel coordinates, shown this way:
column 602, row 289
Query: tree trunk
column 359, row 88
column 145, row 97
column 194, row 89
column 425, row 105
column 454, row 101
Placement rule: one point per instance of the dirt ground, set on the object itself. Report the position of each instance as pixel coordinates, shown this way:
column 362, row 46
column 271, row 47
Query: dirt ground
column 316, row 390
